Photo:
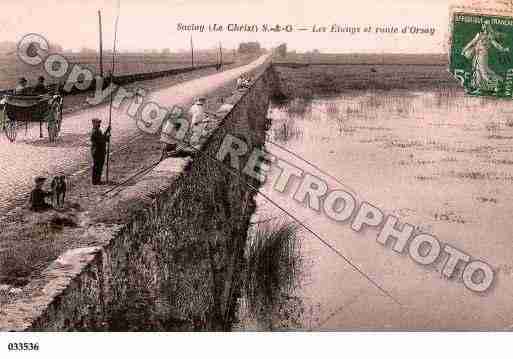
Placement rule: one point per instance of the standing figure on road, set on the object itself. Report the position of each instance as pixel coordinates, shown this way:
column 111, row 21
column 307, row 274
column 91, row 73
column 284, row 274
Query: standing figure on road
column 40, row 88
column 21, row 87
column 98, row 149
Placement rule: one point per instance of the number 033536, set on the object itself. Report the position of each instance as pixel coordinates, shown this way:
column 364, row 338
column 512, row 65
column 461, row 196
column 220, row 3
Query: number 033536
column 23, row 347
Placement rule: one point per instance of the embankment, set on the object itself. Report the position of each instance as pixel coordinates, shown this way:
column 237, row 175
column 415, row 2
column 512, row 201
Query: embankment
column 306, row 80
column 174, row 263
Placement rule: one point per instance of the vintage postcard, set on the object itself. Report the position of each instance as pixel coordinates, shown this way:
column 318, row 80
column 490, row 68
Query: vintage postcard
column 255, row 166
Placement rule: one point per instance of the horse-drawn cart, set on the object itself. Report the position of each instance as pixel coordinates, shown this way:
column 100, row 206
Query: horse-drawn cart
column 19, row 109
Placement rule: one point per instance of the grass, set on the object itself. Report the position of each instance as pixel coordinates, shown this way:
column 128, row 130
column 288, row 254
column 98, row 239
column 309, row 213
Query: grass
column 473, row 175
column 299, row 106
column 24, row 256
column 287, row 131
column 273, row 268
column 493, row 126
column 13, row 68
column 26, row 248
column 334, row 80
column 397, row 59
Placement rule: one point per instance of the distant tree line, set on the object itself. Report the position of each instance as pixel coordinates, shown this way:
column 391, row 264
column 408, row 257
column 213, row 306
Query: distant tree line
column 281, row 50
column 10, row 48
column 249, row 47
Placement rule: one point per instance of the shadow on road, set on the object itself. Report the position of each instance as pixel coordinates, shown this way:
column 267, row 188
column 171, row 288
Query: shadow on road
column 67, row 141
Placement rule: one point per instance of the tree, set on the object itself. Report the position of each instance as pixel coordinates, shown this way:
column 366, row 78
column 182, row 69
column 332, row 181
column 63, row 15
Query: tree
column 282, row 50
column 249, row 47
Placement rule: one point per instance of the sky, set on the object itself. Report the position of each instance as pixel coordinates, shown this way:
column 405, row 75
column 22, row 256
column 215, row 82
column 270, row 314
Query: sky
column 152, row 24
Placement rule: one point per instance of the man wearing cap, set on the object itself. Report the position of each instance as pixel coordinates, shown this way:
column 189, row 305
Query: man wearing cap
column 38, row 195
column 98, row 149
column 198, row 120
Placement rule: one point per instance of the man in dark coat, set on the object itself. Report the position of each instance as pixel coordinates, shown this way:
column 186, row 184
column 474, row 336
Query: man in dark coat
column 38, row 195
column 98, row 149
column 40, row 88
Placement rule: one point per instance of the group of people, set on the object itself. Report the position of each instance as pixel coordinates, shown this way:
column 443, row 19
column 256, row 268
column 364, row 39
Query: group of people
column 22, row 87
column 99, row 140
column 243, row 82
column 172, row 146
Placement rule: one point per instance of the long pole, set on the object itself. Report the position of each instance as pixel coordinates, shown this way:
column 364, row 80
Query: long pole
column 101, row 43
column 110, row 83
column 221, row 53
column 192, row 53
column 217, row 60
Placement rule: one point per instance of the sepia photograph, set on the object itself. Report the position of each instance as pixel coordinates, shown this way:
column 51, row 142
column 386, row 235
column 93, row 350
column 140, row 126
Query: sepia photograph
column 310, row 169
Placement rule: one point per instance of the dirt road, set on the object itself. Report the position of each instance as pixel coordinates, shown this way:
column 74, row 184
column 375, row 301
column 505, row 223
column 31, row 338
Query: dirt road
column 31, row 156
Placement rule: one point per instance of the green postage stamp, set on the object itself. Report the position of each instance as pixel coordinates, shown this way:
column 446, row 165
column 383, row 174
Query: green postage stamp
column 481, row 53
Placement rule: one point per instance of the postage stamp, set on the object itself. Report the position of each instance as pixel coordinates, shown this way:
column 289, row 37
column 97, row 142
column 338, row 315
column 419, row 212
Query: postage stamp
column 481, row 53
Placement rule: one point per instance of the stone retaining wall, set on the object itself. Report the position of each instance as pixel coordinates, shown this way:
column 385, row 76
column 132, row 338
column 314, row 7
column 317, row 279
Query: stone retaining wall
column 176, row 263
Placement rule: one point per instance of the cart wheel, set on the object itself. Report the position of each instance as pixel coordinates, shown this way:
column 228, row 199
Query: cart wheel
column 10, row 129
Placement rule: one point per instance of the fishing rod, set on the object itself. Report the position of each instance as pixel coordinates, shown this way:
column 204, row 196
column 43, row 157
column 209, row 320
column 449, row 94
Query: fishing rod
column 192, row 53
column 254, row 189
column 101, row 42
column 221, row 54
column 147, row 169
column 353, row 192
column 251, row 187
column 141, row 172
column 110, row 83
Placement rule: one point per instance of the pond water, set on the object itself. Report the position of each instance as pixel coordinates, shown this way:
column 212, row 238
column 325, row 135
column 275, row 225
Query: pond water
column 440, row 161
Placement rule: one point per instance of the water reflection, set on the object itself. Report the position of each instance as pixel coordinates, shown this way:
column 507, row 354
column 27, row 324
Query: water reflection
column 338, row 115
column 374, row 136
